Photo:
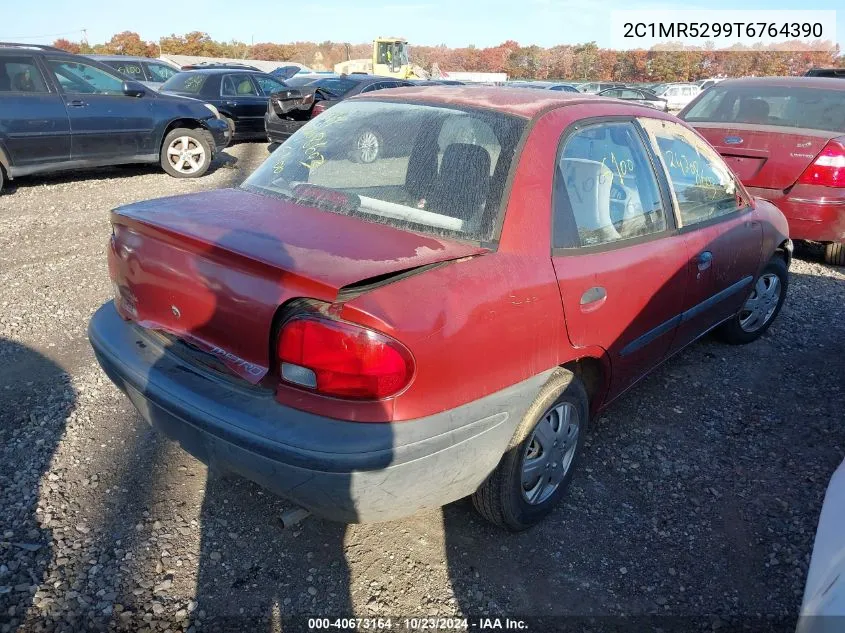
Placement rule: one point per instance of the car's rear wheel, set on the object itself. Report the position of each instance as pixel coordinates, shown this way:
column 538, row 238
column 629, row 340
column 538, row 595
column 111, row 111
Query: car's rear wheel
column 761, row 307
column 834, row 253
column 186, row 153
column 534, row 473
column 368, row 146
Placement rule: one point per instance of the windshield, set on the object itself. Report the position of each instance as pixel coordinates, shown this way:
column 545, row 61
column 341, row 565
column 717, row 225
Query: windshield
column 335, row 86
column 431, row 169
column 190, row 83
column 812, row 108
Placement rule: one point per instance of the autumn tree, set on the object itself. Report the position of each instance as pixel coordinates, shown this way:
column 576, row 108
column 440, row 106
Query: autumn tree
column 130, row 43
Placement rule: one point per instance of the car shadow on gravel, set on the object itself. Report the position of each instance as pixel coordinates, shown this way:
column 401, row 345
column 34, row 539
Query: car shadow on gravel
column 36, row 397
column 223, row 160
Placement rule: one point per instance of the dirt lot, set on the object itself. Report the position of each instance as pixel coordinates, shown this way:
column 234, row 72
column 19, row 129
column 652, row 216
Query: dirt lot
column 698, row 495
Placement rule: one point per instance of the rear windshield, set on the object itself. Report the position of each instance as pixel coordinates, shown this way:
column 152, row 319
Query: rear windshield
column 431, row 169
column 190, row 83
column 337, row 87
column 811, row 108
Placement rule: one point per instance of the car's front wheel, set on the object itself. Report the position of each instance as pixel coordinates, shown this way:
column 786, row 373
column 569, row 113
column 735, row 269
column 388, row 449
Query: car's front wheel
column 368, row 146
column 761, row 307
column 834, row 253
column 186, row 153
column 534, row 473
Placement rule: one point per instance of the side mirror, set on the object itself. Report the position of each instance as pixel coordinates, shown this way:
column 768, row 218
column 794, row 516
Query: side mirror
column 133, row 89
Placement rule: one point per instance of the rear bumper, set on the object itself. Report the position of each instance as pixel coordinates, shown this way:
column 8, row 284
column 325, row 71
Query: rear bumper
column 351, row 472
column 279, row 130
column 814, row 213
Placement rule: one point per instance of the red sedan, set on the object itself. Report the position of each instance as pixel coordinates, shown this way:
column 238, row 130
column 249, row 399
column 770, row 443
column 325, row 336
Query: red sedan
column 369, row 338
column 785, row 138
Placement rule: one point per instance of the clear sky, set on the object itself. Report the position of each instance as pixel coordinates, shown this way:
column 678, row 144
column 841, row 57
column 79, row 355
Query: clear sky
column 423, row 22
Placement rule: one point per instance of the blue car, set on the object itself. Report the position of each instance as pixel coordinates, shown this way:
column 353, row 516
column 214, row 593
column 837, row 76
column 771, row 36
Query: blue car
column 61, row 111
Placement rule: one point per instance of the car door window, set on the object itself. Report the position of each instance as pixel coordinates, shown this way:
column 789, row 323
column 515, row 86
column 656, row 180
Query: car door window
column 238, row 86
column 80, row 78
column 376, row 86
column 612, row 93
column 268, row 85
column 605, row 188
column 20, row 74
column 160, row 72
column 703, row 186
column 631, row 94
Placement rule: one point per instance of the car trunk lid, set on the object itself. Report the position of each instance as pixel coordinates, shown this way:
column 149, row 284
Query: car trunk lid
column 765, row 156
column 212, row 269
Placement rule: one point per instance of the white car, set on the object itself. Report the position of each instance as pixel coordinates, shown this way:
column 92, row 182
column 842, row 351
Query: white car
column 824, row 595
column 678, row 96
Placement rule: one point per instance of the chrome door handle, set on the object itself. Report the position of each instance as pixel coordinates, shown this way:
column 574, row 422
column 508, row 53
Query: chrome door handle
column 77, row 103
column 593, row 299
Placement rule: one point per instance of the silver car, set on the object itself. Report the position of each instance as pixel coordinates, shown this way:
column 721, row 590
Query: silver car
column 150, row 72
column 638, row 95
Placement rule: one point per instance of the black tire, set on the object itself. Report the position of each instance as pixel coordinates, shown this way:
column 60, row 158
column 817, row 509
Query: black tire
column 367, row 147
column 834, row 254
column 732, row 331
column 197, row 139
column 502, row 498
column 231, row 125
column 2, row 179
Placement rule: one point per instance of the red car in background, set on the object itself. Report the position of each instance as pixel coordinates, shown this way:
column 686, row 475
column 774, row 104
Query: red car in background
column 369, row 339
column 785, row 139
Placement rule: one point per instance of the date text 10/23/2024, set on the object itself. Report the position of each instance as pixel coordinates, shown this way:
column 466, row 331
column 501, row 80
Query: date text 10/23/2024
column 417, row 624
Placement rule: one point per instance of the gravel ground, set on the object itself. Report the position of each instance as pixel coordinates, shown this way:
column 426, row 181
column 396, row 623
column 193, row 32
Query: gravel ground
column 698, row 494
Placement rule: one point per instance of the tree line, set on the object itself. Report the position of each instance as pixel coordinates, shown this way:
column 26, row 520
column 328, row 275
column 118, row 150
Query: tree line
column 565, row 61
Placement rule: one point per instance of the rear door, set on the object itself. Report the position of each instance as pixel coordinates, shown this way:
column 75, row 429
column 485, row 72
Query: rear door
column 243, row 100
column 34, row 125
column 620, row 266
column 768, row 135
column 105, row 123
column 723, row 240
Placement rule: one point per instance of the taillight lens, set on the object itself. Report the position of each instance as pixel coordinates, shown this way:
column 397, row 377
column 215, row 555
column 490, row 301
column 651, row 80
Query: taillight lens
column 342, row 359
column 318, row 108
column 828, row 169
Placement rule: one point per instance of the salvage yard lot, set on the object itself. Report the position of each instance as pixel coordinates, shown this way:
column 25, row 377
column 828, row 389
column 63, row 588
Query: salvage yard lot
column 698, row 493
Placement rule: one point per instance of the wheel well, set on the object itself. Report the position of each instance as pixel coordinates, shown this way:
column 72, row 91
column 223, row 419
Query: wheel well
column 188, row 124
column 784, row 250
column 591, row 372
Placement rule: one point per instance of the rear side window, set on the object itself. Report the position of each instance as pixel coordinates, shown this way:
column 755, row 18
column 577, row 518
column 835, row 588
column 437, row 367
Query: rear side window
column 130, row 69
column 430, row 169
column 605, row 188
column 702, row 183
column 20, row 74
column 160, row 72
column 268, row 85
column 798, row 107
column 188, row 83
column 238, row 86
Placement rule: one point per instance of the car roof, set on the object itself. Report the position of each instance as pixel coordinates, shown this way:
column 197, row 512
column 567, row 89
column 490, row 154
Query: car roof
column 130, row 58
column 830, row 83
column 226, row 71
column 524, row 102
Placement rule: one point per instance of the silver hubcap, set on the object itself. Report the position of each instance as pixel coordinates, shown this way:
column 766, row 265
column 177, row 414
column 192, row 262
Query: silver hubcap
column 368, row 147
column 549, row 453
column 762, row 303
column 186, row 154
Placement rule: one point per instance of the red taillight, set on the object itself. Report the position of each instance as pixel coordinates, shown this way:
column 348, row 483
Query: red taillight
column 341, row 359
column 828, row 169
column 318, row 108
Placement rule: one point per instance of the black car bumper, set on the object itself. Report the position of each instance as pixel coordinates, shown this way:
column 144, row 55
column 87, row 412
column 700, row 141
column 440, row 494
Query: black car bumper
column 341, row 470
column 219, row 132
column 278, row 129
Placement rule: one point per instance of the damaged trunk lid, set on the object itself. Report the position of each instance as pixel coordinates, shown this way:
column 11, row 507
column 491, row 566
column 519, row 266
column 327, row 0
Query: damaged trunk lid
column 212, row 269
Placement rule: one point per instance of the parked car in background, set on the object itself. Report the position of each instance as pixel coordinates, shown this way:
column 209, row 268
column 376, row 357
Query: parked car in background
column 823, row 606
column 838, row 73
column 549, row 85
column 638, row 95
column 704, row 84
column 291, row 109
column 220, row 65
column 595, row 87
column 785, row 138
column 241, row 95
column 284, row 73
column 677, row 95
column 303, row 79
column 372, row 339
column 61, row 111
column 150, row 72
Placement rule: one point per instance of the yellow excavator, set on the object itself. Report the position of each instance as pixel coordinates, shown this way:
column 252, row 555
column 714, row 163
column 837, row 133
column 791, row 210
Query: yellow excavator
column 390, row 59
